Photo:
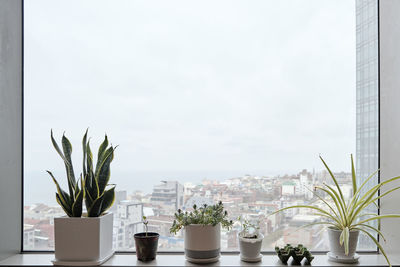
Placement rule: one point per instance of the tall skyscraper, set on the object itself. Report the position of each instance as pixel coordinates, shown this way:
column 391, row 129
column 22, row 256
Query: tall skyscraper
column 367, row 95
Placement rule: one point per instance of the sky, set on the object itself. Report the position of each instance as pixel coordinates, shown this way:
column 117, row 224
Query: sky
column 187, row 88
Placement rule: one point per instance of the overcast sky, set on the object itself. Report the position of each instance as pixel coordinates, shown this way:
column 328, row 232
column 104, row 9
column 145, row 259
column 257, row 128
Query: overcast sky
column 207, row 85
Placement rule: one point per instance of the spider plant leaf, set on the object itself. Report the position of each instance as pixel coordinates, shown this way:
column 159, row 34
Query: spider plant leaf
column 346, row 234
column 337, row 204
column 377, row 218
column 108, row 200
column 327, row 214
column 374, row 229
column 323, row 200
column 337, row 198
column 315, row 223
column 334, row 180
column 353, row 176
column 376, row 243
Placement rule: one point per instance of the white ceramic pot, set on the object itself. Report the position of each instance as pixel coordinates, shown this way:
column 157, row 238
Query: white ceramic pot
column 250, row 248
column 202, row 243
column 336, row 252
column 83, row 241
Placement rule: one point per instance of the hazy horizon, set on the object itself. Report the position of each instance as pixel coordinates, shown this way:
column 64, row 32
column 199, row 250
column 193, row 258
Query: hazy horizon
column 184, row 86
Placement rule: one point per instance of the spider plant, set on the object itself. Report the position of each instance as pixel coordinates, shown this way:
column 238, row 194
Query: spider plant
column 350, row 215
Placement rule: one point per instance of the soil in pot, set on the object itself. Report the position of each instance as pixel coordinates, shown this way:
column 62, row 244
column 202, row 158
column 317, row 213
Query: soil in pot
column 146, row 246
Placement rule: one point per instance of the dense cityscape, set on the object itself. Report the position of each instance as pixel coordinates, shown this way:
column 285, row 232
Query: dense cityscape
column 252, row 196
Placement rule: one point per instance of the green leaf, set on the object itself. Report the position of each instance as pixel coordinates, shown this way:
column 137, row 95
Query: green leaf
column 64, row 197
column 66, row 209
column 84, row 152
column 378, row 217
column 334, row 180
column 101, row 153
column 353, row 176
column 346, row 234
column 376, row 243
column 57, row 148
column 77, row 206
column 67, row 149
column 108, row 200
column 103, row 175
column 95, row 209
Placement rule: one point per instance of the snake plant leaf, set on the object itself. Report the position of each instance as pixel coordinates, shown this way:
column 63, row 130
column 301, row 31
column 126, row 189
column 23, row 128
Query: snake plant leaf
column 64, row 197
column 95, row 209
column 66, row 209
column 77, row 206
column 57, row 147
column 67, row 149
column 108, row 200
column 84, row 142
column 103, row 175
column 101, row 153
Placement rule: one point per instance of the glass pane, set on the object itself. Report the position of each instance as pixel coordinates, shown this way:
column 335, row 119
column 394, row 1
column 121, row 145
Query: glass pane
column 208, row 101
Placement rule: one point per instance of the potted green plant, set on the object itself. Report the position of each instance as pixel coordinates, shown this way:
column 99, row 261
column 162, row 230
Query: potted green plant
column 250, row 241
column 202, row 231
column 347, row 218
column 84, row 238
column 146, row 243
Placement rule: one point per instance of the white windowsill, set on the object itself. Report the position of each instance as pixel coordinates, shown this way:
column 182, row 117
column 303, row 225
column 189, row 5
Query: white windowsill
column 168, row 260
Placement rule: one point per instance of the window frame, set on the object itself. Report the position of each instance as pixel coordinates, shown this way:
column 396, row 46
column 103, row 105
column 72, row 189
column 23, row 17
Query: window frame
column 271, row 252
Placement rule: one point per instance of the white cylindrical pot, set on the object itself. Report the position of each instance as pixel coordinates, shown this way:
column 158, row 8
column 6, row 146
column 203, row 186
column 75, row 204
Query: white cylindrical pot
column 250, row 248
column 337, row 252
column 202, row 243
column 83, row 241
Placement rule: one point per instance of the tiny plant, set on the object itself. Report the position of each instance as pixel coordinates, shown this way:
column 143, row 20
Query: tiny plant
column 145, row 222
column 205, row 215
column 249, row 229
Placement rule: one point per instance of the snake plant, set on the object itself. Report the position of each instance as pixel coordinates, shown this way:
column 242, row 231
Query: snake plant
column 92, row 186
column 350, row 215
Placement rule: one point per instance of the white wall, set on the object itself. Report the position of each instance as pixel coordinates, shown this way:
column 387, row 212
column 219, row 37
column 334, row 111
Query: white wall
column 10, row 126
column 389, row 27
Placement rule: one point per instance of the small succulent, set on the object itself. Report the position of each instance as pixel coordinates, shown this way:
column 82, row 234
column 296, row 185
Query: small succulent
column 297, row 253
column 92, row 184
column 249, row 229
column 205, row 215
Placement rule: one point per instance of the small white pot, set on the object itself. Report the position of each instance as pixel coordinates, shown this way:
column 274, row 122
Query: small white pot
column 336, row 252
column 202, row 243
column 85, row 241
column 250, row 248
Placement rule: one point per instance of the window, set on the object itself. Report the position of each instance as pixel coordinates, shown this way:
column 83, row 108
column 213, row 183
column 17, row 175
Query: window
column 210, row 100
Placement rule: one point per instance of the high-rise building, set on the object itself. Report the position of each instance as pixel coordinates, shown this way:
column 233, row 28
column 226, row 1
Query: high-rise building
column 367, row 152
column 168, row 195
column 367, row 87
